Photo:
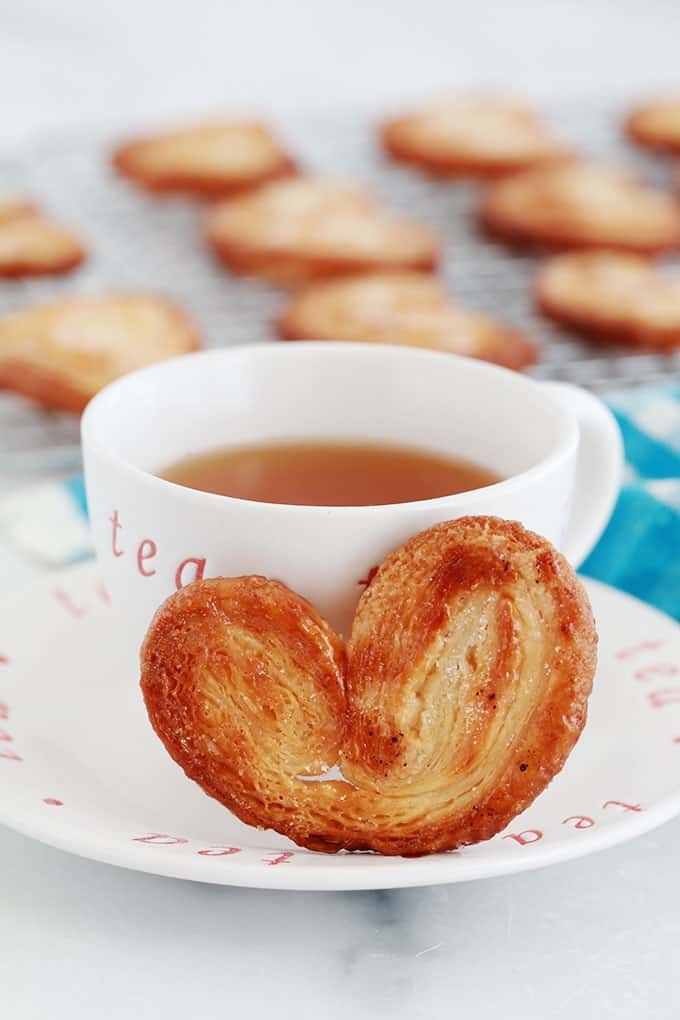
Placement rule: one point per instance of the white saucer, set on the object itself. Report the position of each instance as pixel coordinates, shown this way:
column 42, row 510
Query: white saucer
column 81, row 769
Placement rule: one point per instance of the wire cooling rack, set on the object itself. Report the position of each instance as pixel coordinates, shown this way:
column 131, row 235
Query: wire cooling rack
column 139, row 243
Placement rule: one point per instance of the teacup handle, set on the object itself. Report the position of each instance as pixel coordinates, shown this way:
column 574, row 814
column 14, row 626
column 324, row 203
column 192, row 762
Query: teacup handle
column 599, row 469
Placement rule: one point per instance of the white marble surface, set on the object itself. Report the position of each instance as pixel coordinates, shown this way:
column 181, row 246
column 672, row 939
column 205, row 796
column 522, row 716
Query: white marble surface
column 596, row 938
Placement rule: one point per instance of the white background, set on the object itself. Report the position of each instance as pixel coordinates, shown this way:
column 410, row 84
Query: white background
column 597, row 938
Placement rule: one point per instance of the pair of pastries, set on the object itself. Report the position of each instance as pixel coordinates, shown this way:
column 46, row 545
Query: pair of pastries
column 33, row 244
column 311, row 229
column 457, row 697
column 287, row 230
column 60, row 354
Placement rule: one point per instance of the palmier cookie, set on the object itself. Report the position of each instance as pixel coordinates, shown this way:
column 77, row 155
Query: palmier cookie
column 460, row 693
column 214, row 159
column 306, row 227
column 31, row 244
column 482, row 137
column 406, row 308
column 656, row 125
column 581, row 205
column 623, row 298
column 61, row 354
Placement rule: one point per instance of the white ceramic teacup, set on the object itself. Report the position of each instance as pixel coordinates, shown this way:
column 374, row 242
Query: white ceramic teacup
column 556, row 446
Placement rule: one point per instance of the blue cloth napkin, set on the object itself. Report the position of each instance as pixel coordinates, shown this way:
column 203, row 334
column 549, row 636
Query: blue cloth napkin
column 639, row 552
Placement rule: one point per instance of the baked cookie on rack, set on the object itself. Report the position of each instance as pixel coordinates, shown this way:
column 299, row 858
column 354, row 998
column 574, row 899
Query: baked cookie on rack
column 656, row 125
column 32, row 244
column 473, row 137
column 459, row 695
column 622, row 298
column 406, row 308
column 60, row 354
column 222, row 157
column 307, row 227
column 581, row 205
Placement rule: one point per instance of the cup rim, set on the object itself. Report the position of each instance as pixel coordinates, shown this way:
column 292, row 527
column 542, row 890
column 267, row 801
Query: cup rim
column 97, row 407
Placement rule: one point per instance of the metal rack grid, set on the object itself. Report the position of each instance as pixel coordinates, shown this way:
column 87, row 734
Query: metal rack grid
column 139, row 243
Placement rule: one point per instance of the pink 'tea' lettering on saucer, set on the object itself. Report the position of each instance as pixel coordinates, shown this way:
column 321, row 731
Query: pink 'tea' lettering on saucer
column 4, row 661
column 633, row 650
column 622, row 804
column 6, row 737
column 676, row 740
column 53, row 802
column 275, row 858
column 4, row 710
column 67, row 602
column 160, row 839
column 526, row 837
column 219, row 851
column 658, row 669
column 10, row 756
column 580, row 821
column 664, row 697
column 103, row 593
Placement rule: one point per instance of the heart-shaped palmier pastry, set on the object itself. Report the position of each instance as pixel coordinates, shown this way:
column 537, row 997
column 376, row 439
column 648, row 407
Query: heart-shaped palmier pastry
column 471, row 137
column 60, row 354
column 406, row 308
column 581, row 205
column 611, row 296
column 307, row 227
column 222, row 157
column 33, row 244
column 459, row 695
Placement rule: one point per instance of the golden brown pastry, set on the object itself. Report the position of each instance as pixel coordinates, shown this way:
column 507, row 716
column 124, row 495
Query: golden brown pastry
column 11, row 208
column 474, row 137
column 31, row 244
column 61, row 354
column 656, row 125
column 400, row 308
column 307, row 227
column 581, row 205
column 208, row 160
column 459, row 695
column 622, row 298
